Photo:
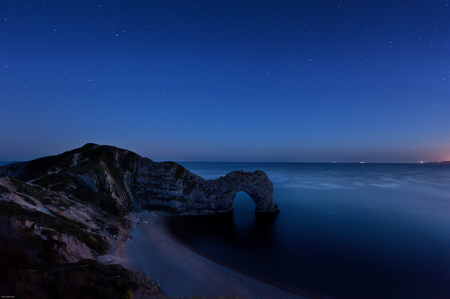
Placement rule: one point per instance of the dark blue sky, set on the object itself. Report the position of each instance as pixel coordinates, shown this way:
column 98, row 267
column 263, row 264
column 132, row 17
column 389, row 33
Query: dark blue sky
column 227, row 80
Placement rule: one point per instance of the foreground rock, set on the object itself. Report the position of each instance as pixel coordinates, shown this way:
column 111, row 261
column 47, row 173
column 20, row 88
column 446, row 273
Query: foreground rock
column 120, row 181
column 50, row 243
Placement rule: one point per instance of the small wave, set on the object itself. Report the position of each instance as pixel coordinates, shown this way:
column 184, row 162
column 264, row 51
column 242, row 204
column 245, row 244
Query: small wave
column 385, row 185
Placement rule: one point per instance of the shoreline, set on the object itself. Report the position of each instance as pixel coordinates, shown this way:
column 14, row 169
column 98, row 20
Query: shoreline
column 183, row 272
column 275, row 284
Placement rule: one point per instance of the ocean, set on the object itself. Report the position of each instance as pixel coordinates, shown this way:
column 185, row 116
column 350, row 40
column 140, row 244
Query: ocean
column 344, row 230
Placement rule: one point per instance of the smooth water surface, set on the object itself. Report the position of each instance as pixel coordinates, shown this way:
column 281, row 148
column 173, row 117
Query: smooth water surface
column 344, row 230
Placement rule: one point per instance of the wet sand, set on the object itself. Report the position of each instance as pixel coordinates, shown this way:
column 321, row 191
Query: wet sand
column 182, row 272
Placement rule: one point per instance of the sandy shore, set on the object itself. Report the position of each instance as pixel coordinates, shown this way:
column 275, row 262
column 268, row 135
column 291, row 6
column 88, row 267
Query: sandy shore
column 182, row 272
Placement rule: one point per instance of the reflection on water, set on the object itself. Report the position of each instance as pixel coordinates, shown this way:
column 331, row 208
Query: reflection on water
column 235, row 228
column 346, row 231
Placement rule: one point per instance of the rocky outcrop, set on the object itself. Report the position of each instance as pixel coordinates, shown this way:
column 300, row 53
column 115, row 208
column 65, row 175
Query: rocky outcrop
column 120, row 181
column 218, row 195
column 169, row 186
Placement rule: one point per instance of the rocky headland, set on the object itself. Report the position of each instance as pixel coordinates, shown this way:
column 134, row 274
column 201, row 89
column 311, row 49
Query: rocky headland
column 60, row 214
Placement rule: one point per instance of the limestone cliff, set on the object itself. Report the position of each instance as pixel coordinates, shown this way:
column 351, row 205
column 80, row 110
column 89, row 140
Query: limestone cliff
column 120, row 181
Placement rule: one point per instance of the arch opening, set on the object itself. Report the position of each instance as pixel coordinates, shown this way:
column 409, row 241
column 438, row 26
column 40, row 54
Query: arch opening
column 243, row 201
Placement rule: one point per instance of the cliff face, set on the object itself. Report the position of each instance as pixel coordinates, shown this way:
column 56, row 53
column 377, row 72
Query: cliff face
column 120, row 181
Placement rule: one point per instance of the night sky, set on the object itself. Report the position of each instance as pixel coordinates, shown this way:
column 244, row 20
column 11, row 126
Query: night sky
column 268, row 80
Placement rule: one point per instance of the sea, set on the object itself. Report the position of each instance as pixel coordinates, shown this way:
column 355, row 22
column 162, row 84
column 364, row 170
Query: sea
column 345, row 230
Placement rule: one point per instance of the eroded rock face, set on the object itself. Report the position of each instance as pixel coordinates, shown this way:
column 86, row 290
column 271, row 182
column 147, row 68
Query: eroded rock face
column 218, row 195
column 120, row 181
column 170, row 186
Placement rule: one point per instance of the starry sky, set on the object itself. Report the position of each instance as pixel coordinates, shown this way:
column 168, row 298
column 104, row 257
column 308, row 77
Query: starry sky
column 245, row 81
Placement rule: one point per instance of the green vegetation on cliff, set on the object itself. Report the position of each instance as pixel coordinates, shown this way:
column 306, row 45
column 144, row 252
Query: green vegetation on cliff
column 60, row 224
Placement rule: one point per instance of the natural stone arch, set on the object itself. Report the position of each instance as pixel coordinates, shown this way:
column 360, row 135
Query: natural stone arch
column 218, row 195
column 257, row 185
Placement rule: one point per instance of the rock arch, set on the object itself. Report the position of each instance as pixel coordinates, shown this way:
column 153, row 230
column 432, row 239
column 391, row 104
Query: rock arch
column 218, row 195
column 257, row 185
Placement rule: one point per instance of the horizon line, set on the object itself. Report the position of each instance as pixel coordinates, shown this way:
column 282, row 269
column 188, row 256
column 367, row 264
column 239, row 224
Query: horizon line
column 291, row 162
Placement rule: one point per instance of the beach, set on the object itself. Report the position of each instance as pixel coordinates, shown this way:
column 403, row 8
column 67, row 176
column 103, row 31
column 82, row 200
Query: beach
column 182, row 272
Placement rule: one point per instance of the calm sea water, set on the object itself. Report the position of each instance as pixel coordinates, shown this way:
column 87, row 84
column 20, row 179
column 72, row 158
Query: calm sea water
column 344, row 230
